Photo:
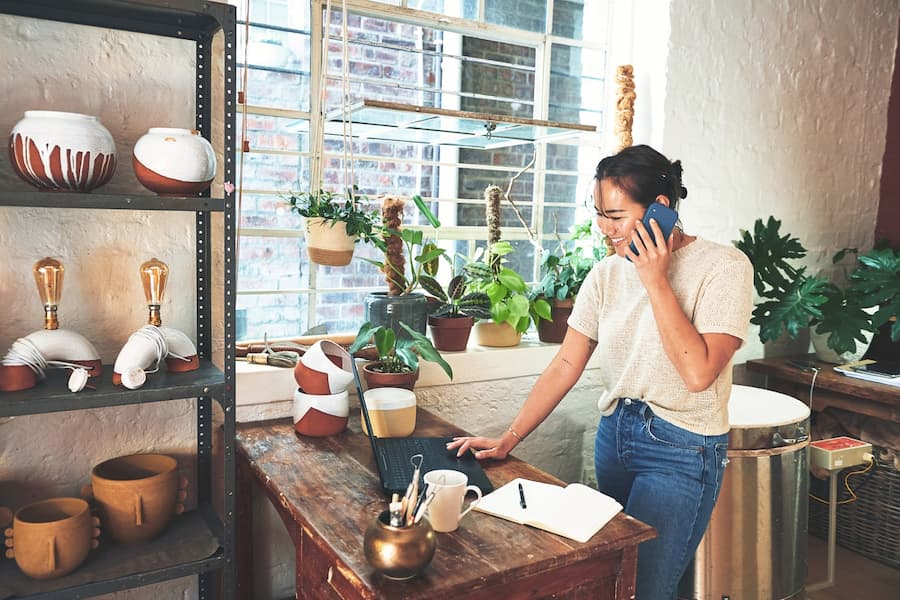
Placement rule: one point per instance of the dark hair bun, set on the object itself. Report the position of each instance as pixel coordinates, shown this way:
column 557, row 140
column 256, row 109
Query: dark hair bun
column 683, row 192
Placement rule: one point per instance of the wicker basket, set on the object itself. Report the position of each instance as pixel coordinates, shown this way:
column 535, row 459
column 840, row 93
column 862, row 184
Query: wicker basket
column 871, row 524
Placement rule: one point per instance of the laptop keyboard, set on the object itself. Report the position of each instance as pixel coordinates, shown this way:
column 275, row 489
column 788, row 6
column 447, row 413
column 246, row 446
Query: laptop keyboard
column 397, row 454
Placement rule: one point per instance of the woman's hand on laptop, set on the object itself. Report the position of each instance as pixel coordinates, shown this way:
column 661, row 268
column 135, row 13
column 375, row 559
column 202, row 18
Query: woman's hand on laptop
column 483, row 447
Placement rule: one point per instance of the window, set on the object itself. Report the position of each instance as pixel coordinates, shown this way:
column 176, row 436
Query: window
column 419, row 52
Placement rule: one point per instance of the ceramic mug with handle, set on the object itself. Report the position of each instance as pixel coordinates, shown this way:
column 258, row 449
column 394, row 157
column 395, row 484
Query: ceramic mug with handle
column 450, row 489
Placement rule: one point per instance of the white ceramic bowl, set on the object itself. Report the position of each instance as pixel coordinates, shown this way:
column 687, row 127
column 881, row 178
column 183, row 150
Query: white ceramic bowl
column 320, row 415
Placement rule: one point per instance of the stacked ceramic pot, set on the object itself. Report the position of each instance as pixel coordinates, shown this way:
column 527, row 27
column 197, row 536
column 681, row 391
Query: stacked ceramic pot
column 321, row 403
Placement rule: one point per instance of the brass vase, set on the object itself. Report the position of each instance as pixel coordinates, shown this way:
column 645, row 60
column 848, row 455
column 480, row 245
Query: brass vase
column 399, row 552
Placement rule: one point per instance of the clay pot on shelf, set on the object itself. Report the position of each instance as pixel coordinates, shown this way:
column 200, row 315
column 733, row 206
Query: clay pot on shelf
column 51, row 538
column 554, row 331
column 496, row 335
column 62, row 151
column 451, row 334
column 174, row 162
column 137, row 495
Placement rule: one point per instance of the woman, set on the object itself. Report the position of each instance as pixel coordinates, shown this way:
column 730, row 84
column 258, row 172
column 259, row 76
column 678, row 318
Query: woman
column 668, row 323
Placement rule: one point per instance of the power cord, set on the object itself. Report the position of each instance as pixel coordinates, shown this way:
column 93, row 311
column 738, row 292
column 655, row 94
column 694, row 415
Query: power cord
column 853, row 497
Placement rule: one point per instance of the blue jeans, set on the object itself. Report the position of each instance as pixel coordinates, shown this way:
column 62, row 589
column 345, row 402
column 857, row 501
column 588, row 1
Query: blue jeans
column 665, row 476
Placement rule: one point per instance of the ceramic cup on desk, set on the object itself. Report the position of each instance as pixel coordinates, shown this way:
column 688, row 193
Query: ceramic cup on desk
column 51, row 538
column 449, row 488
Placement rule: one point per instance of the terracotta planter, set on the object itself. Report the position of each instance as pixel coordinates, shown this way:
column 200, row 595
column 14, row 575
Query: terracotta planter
column 554, row 331
column 52, row 538
column 451, row 334
column 137, row 495
column 62, row 151
column 327, row 242
column 496, row 335
column 174, row 162
column 320, row 415
column 376, row 379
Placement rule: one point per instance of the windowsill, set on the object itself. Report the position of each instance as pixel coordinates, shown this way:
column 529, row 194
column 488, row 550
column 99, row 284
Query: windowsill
column 265, row 392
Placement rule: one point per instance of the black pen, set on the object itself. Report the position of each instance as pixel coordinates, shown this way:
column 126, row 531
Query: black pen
column 522, row 496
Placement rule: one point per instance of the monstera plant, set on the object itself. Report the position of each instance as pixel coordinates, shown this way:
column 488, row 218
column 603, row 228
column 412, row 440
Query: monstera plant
column 791, row 299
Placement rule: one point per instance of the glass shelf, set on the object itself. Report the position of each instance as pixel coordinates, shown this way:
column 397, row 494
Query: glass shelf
column 407, row 123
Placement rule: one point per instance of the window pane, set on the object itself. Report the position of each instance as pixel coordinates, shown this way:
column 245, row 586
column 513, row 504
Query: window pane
column 275, row 315
column 577, row 84
column 530, row 15
column 467, row 9
column 581, row 20
column 341, row 311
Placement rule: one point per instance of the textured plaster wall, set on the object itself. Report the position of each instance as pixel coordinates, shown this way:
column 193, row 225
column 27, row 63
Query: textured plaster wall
column 781, row 108
column 130, row 82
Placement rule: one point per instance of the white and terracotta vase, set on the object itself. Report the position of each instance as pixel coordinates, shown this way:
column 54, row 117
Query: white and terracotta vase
column 174, row 162
column 62, row 151
column 327, row 242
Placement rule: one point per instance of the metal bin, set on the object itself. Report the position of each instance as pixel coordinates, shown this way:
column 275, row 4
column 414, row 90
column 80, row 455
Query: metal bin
column 755, row 546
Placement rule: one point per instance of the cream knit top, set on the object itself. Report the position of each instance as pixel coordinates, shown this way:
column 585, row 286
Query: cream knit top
column 714, row 286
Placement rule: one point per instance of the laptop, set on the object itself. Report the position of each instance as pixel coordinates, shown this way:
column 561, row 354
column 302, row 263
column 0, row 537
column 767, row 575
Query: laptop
column 393, row 455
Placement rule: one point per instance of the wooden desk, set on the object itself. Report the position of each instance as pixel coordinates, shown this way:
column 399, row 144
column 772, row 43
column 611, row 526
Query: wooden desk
column 831, row 388
column 326, row 492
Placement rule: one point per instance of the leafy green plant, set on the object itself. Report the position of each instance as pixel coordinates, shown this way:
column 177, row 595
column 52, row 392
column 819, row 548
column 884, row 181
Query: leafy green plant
column 565, row 272
column 791, row 299
column 408, row 254
column 353, row 212
column 510, row 299
column 396, row 354
column 455, row 302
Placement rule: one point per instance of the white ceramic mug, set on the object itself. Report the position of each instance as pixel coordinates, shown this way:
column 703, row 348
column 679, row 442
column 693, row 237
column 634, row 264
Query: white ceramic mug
column 450, row 489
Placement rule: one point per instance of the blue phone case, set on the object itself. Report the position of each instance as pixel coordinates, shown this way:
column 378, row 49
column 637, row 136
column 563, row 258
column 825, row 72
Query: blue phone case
column 665, row 218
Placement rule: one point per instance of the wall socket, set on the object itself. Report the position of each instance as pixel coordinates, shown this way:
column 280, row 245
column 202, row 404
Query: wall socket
column 839, row 453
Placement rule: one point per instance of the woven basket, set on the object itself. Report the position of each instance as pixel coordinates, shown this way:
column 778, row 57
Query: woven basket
column 871, row 525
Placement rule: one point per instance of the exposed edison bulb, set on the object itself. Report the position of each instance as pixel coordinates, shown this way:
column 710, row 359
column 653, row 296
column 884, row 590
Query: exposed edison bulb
column 48, row 275
column 154, row 274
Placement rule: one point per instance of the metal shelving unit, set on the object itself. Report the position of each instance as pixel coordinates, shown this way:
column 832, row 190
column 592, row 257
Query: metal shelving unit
column 200, row 542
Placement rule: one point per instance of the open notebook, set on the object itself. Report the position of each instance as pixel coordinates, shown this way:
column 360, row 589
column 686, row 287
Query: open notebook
column 575, row 511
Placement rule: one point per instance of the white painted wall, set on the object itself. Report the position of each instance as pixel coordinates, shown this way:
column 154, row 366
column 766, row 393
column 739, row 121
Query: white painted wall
column 781, row 108
column 774, row 108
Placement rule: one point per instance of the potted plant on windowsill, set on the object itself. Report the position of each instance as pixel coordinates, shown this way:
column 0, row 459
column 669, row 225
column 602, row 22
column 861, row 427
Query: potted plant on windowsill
column 451, row 322
column 398, row 358
column 408, row 255
column 333, row 227
column 513, row 308
column 846, row 317
column 564, row 273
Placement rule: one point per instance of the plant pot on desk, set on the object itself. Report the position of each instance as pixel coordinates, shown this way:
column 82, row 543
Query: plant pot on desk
column 375, row 378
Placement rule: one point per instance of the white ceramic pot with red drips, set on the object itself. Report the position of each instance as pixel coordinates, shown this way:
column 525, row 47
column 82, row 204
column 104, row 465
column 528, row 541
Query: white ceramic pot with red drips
column 62, row 151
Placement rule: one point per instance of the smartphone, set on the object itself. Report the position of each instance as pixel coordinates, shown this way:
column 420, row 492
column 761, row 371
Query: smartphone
column 803, row 365
column 883, row 368
column 665, row 218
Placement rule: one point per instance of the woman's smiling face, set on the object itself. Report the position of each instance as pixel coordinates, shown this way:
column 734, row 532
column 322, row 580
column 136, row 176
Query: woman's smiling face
column 617, row 213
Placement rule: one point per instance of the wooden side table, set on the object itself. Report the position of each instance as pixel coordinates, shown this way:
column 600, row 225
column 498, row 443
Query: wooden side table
column 831, row 388
column 326, row 492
